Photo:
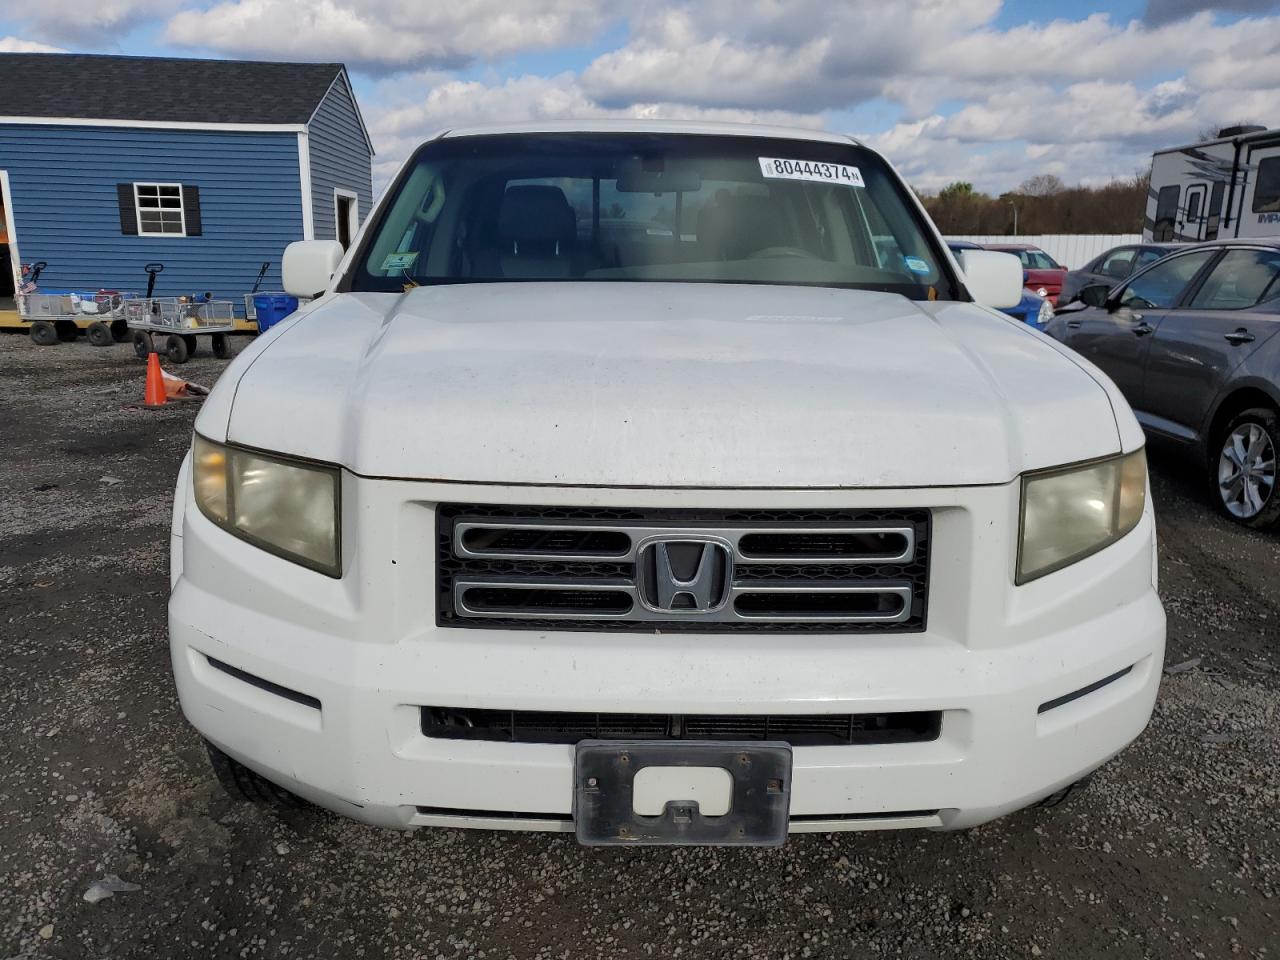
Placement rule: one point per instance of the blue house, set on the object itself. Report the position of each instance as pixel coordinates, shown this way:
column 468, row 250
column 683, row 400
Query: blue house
column 210, row 167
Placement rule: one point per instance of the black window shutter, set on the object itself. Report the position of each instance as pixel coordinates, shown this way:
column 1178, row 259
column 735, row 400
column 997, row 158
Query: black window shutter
column 191, row 210
column 128, row 212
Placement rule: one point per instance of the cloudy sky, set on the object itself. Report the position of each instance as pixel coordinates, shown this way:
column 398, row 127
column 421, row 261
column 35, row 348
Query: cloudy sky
column 981, row 90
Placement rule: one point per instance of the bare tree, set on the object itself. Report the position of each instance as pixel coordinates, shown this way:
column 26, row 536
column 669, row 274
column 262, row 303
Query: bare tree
column 1042, row 185
column 1210, row 131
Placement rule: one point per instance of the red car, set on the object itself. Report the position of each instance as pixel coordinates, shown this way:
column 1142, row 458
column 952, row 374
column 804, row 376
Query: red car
column 1040, row 272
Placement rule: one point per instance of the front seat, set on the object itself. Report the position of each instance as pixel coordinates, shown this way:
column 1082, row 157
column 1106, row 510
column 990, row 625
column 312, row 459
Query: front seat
column 537, row 231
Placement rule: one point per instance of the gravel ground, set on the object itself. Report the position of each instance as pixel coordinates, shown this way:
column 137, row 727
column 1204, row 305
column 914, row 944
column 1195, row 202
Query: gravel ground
column 1173, row 852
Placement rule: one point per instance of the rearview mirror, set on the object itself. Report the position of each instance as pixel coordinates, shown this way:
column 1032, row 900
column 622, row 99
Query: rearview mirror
column 674, row 177
column 309, row 265
column 994, row 279
column 1095, row 295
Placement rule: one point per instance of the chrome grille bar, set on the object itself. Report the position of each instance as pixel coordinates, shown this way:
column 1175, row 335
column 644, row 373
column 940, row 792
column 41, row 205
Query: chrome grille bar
column 895, row 599
column 898, row 541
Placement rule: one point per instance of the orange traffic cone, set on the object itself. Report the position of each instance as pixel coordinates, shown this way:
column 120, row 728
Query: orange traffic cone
column 154, row 396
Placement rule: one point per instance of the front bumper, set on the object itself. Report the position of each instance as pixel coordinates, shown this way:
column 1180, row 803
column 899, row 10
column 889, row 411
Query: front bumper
column 367, row 651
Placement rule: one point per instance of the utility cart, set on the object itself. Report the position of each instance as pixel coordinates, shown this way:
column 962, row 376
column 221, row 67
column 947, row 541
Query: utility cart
column 179, row 320
column 59, row 317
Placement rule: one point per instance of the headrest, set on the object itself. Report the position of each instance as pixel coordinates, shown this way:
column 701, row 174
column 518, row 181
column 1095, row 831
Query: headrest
column 735, row 226
column 536, row 213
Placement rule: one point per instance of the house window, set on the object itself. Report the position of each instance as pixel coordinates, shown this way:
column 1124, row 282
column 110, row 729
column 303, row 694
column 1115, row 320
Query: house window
column 159, row 207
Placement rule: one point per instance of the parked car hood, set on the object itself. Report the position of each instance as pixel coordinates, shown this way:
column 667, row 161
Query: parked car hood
column 657, row 384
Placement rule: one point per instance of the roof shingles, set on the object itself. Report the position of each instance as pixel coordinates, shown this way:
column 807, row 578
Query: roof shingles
column 158, row 89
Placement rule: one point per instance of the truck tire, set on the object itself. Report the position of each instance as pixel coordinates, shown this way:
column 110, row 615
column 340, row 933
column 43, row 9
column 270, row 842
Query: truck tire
column 221, row 349
column 67, row 330
column 99, row 334
column 244, row 785
column 1243, row 477
column 44, row 333
column 141, row 344
column 192, row 343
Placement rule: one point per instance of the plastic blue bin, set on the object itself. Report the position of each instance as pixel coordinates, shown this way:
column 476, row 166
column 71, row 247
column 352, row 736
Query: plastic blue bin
column 271, row 308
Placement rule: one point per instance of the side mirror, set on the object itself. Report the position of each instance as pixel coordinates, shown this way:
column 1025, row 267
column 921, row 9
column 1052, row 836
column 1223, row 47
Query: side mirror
column 1095, row 294
column 309, row 265
column 994, row 279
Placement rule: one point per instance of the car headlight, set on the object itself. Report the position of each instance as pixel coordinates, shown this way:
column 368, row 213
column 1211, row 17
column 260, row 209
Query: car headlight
column 1045, row 313
column 1042, row 291
column 287, row 507
column 1071, row 513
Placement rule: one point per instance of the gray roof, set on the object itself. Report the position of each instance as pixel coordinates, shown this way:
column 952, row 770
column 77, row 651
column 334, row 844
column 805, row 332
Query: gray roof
column 161, row 88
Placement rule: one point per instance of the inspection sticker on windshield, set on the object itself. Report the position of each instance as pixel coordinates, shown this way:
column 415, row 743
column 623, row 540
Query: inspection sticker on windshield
column 399, row 261
column 816, row 170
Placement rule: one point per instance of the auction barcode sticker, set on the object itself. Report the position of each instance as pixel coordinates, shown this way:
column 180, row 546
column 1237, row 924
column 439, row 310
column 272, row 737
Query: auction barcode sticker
column 816, row 170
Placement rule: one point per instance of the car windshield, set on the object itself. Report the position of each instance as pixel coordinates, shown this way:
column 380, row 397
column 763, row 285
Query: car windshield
column 636, row 207
column 1036, row 260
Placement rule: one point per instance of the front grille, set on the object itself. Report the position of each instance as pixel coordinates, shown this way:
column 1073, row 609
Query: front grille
column 537, row 726
column 659, row 571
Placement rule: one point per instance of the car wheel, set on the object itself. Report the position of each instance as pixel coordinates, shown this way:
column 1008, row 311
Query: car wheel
column 243, row 784
column 141, row 344
column 175, row 348
column 67, row 330
column 221, row 349
column 99, row 334
column 44, row 333
column 1244, row 471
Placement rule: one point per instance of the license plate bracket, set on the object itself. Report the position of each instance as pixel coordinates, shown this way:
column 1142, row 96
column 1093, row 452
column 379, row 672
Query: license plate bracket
column 603, row 795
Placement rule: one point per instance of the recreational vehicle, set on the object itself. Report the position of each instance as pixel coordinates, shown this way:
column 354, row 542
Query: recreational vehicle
column 1225, row 187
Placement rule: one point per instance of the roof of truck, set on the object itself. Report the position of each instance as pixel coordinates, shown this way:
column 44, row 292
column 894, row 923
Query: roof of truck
column 630, row 125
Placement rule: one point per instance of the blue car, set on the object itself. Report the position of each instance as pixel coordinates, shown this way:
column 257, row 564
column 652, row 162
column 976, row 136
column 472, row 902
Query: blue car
column 1031, row 309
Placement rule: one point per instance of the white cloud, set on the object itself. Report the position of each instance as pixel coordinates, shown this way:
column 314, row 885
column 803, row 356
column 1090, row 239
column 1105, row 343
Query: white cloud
column 1166, row 11
column 384, row 36
column 84, row 22
column 398, row 129
column 764, row 54
column 1084, row 96
column 18, row 45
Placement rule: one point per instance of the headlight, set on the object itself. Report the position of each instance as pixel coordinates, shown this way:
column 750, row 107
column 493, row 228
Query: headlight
column 1042, row 291
column 1045, row 314
column 286, row 507
column 1069, row 514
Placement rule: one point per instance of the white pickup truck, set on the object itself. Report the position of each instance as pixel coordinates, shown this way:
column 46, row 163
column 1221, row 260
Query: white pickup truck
column 666, row 483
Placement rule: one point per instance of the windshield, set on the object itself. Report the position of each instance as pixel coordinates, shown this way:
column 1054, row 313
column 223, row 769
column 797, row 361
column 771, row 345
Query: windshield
column 1035, row 259
column 634, row 207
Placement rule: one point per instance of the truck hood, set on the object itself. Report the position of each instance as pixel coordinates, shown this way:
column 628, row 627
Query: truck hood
column 668, row 385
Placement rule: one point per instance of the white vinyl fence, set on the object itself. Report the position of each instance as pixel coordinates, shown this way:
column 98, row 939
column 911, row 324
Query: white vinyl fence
column 1072, row 250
